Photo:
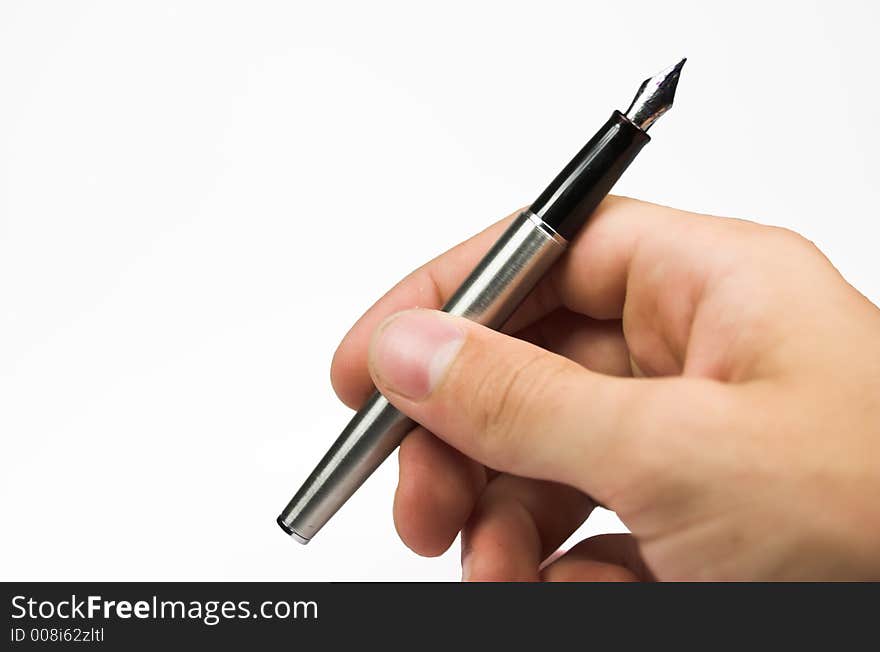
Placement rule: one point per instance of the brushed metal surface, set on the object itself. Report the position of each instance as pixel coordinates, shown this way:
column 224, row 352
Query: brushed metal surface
column 498, row 284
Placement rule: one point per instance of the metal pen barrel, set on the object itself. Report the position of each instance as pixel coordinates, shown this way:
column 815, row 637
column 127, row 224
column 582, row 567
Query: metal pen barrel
column 499, row 283
column 502, row 279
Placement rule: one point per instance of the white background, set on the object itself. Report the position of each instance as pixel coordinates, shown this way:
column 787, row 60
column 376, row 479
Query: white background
column 198, row 198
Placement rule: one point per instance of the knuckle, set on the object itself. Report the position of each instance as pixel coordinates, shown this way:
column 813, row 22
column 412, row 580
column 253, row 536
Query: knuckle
column 502, row 400
column 793, row 239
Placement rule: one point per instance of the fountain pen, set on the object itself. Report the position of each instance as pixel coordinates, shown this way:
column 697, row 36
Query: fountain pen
column 535, row 239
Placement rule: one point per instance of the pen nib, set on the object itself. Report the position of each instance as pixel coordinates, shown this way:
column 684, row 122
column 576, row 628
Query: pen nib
column 654, row 97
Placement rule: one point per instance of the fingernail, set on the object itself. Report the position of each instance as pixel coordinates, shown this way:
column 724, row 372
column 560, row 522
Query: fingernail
column 413, row 350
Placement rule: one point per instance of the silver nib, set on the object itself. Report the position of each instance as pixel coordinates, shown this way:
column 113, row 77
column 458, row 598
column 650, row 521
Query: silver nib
column 654, row 97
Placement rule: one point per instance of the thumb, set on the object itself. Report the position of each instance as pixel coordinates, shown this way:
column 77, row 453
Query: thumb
column 506, row 403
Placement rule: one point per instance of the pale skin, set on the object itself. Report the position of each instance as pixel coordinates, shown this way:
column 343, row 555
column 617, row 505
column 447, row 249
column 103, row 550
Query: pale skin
column 713, row 381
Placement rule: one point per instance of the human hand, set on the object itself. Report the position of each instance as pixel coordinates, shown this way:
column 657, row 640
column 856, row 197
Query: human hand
column 713, row 381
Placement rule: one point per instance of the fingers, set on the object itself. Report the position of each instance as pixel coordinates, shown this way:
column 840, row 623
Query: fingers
column 513, row 406
column 593, row 276
column 517, row 523
column 438, row 487
column 436, row 492
column 590, row 279
column 440, row 490
column 514, row 526
column 603, row 558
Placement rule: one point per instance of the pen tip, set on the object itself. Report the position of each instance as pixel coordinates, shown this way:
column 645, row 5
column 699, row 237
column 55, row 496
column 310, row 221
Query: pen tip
column 655, row 95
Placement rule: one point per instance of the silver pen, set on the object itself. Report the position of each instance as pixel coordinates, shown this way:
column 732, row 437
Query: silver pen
column 499, row 283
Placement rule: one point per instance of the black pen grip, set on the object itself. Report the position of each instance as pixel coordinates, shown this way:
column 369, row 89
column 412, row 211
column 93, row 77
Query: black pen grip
column 567, row 202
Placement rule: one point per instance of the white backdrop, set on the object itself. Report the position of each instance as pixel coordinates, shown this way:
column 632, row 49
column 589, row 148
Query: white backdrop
column 198, row 198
